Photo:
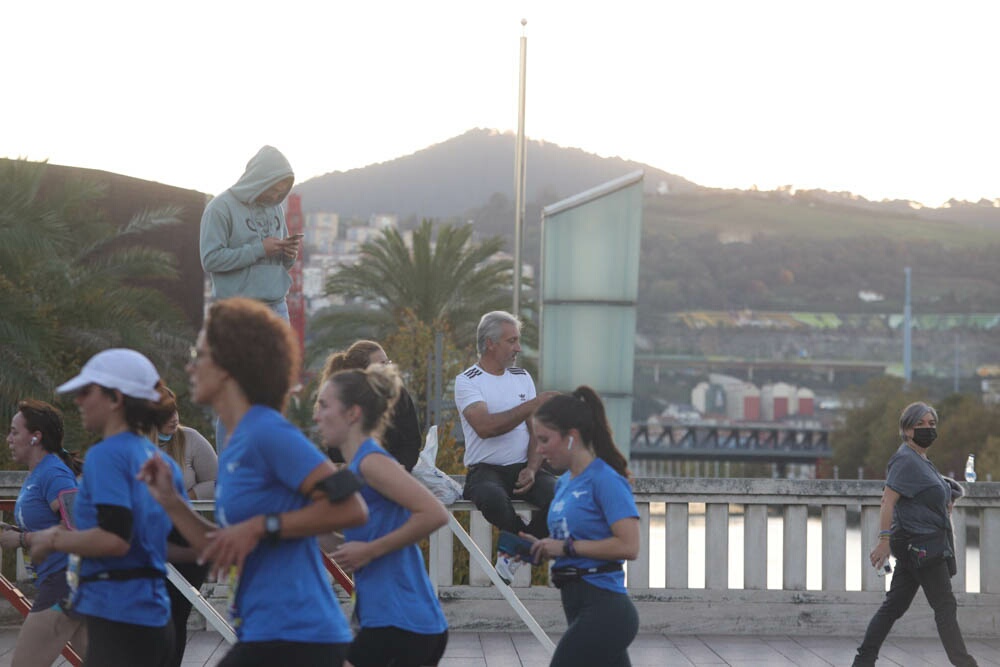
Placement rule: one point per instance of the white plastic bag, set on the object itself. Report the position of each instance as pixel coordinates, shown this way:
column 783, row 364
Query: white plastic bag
column 426, row 471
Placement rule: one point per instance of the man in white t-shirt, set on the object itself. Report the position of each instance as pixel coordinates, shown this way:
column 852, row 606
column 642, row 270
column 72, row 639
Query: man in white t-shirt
column 496, row 400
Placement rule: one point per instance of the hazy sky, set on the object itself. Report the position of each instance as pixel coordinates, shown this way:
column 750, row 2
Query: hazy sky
column 886, row 99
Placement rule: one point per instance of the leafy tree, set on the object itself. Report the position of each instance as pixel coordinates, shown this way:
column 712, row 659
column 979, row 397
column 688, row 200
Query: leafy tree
column 72, row 284
column 446, row 283
column 870, row 432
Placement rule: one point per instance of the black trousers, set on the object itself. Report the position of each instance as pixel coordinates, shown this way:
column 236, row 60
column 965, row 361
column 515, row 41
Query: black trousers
column 114, row 644
column 277, row 653
column 180, row 606
column 491, row 489
column 602, row 624
column 936, row 582
column 395, row 647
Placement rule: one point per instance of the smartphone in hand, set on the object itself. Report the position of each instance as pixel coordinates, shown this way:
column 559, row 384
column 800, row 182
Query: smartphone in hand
column 514, row 545
column 295, row 237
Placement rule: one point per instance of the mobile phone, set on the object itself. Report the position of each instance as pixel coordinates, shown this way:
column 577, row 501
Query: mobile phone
column 295, row 237
column 514, row 545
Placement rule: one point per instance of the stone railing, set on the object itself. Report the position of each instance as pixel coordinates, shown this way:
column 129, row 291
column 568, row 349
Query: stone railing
column 744, row 508
column 788, row 605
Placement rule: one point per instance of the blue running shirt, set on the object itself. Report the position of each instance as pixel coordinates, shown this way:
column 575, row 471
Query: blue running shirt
column 585, row 507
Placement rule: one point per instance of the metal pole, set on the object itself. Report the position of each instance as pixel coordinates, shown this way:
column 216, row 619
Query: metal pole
column 907, row 360
column 438, row 383
column 519, row 180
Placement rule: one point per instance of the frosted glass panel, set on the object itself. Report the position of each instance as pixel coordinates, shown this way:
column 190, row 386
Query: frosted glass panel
column 591, row 252
column 588, row 344
column 619, row 411
column 590, row 282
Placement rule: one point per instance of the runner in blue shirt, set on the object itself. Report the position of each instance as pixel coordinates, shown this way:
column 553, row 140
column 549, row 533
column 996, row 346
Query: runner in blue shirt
column 594, row 527
column 275, row 493
column 401, row 620
column 36, row 440
column 120, row 541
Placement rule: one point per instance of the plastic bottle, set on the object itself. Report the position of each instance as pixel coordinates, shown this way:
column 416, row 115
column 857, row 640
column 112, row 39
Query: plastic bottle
column 970, row 469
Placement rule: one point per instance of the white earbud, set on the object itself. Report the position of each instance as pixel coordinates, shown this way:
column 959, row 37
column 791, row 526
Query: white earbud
column 570, row 445
column 34, row 439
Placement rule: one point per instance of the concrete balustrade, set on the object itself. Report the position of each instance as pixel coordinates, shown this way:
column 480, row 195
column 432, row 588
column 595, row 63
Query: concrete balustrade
column 760, row 606
column 831, row 608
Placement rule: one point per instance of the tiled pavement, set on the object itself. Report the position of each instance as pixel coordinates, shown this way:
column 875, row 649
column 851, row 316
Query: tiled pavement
column 521, row 649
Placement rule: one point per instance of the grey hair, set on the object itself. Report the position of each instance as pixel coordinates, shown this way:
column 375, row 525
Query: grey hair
column 912, row 414
column 489, row 328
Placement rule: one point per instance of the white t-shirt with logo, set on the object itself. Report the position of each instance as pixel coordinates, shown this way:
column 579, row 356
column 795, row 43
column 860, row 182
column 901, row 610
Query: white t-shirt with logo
column 500, row 393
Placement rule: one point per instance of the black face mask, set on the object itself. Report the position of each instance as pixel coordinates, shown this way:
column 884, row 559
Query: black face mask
column 924, row 437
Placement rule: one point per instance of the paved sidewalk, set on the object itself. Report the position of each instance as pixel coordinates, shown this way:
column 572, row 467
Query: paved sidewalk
column 521, row 649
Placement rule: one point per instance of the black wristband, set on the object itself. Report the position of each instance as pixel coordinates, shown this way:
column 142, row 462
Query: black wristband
column 568, row 548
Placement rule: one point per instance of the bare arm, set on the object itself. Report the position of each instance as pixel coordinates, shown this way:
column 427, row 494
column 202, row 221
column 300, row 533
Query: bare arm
column 90, row 543
column 158, row 475
column 881, row 550
column 427, row 514
column 488, row 424
column 231, row 545
column 622, row 545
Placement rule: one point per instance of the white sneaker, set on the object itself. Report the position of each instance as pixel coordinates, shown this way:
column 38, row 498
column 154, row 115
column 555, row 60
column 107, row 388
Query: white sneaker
column 506, row 567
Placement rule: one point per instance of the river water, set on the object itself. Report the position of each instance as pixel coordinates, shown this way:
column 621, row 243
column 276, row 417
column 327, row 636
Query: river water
column 814, row 555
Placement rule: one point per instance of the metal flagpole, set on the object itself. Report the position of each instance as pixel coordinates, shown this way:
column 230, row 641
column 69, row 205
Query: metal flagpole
column 520, row 151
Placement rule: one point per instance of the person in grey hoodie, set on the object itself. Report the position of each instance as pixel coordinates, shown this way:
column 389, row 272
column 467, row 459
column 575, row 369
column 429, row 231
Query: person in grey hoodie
column 244, row 238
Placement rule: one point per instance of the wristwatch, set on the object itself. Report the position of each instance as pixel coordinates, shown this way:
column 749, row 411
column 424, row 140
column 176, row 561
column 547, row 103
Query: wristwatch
column 272, row 528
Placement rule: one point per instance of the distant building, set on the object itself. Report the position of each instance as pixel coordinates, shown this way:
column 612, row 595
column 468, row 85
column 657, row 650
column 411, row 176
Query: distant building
column 383, row 221
column 322, row 230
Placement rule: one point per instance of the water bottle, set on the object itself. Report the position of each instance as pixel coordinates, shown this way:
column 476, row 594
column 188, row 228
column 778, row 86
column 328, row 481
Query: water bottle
column 970, row 469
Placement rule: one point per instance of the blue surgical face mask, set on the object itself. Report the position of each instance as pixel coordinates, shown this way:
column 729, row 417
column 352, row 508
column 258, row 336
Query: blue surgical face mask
column 165, row 437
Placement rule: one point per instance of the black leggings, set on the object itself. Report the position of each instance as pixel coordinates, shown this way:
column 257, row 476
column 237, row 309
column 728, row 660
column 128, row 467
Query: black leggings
column 395, row 647
column 271, row 653
column 602, row 624
column 114, row 644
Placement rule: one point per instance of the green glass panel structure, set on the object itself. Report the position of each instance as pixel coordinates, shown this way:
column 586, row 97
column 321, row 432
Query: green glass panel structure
column 589, row 286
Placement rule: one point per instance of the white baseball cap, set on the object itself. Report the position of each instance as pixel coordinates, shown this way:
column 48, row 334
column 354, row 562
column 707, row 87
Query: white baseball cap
column 119, row 368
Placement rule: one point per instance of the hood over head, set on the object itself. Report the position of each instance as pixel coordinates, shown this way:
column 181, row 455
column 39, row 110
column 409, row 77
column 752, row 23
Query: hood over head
column 264, row 169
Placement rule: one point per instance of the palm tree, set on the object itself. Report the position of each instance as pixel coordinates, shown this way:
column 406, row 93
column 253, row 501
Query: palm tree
column 72, row 284
column 447, row 282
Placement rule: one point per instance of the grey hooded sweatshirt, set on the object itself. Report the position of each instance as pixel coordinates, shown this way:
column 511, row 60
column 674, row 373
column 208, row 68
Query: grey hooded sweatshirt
column 233, row 229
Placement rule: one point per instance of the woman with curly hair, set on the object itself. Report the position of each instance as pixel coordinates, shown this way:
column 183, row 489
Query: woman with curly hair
column 275, row 493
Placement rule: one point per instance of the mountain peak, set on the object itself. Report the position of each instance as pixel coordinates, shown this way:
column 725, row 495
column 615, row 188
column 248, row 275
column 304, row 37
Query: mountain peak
column 461, row 173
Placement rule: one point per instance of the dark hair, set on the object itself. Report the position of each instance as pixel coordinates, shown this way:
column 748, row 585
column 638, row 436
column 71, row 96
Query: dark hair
column 47, row 420
column 375, row 390
column 140, row 414
column 584, row 411
column 358, row 355
column 256, row 347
